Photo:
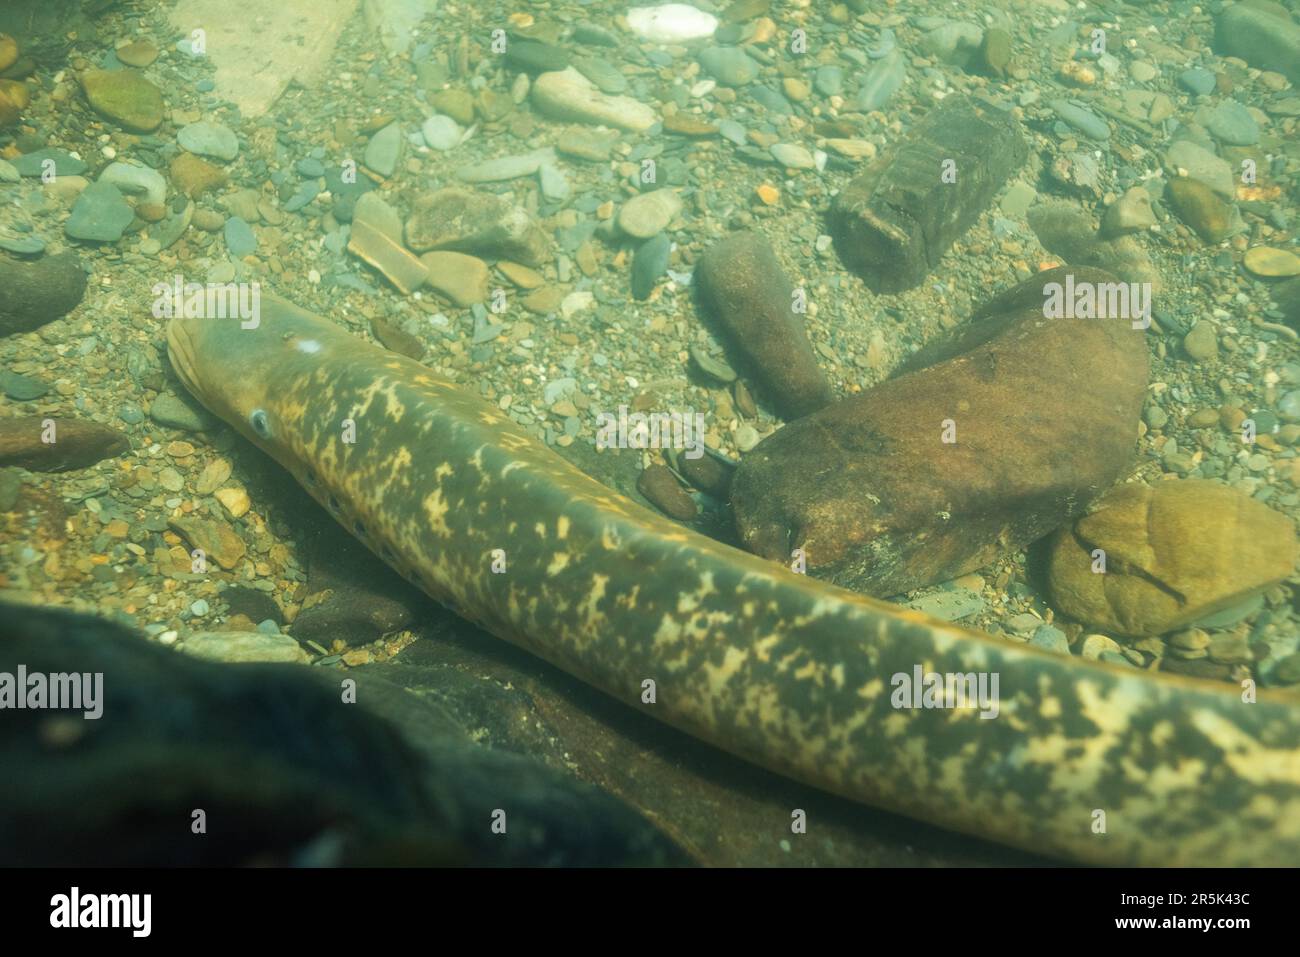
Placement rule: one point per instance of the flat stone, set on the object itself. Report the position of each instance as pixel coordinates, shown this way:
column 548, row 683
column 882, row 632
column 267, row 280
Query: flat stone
column 384, row 150
column 124, row 97
column 1271, row 263
column 1230, row 122
column 183, row 414
column 568, row 95
column 135, row 180
column 1203, row 166
column 138, row 53
column 22, row 388
column 730, row 66
column 34, row 163
column 244, row 646
column 883, row 80
column 476, row 223
column 1197, row 81
column 100, row 214
column 1085, row 121
column 646, row 214
column 194, row 176
column 743, row 287
column 214, row 537
column 239, row 236
column 209, row 139
column 398, row 266
column 504, row 168
column 462, row 279
column 981, row 444
column 605, row 75
column 1175, row 552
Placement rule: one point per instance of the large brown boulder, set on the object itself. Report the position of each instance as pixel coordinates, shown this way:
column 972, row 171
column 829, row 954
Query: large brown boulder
column 1044, row 417
column 1173, row 553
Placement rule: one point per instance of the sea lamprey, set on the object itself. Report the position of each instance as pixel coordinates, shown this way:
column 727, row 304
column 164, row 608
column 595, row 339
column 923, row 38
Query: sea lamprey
column 1082, row 760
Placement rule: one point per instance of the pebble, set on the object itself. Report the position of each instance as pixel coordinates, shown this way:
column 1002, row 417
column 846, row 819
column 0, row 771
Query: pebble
column 137, row 53
column 1201, row 343
column 244, row 646
column 568, row 95
column 949, row 605
column 882, row 81
column 125, row 97
column 1094, row 646
column 9, row 172
column 730, row 66
column 1231, row 123
column 1203, row 166
column 648, row 214
column 239, row 236
column 65, row 164
column 713, row 367
column 1142, row 71
column 1085, row 121
column 1050, row 638
column 601, row 72
column 100, row 214
column 1131, row 213
column 176, row 413
column 1209, row 215
column 462, row 279
column 136, row 181
column 441, row 133
column 384, row 150
column 1271, row 263
column 504, row 168
column 793, row 156
column 1197, row 81
column 1288, row 407
column 671, row 23
column 22, row 388
column 209, row 139
column 649, row 263
column 554, row 184
column 534, row 56
column 829, row 80
column 234, row 499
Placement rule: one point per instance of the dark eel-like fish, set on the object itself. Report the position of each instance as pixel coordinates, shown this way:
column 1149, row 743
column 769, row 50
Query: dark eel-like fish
column 1084, row 760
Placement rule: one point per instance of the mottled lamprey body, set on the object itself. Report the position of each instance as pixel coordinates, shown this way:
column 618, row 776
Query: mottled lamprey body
column 789, row 672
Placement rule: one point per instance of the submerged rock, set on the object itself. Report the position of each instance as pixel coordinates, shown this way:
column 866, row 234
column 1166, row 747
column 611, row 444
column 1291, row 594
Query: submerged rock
column 987, row 442
column 125, row 97
column 743, row 286
column 295, row 779
column 45, row 444
column 1262, row 35
column 1174, row 553
column 476, row 223
column 38, row 291
column 568, row 95
column 671, row 23
column 895, row 221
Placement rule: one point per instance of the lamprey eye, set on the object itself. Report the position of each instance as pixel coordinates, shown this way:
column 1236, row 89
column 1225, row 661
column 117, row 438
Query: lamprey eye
column 260, row 422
